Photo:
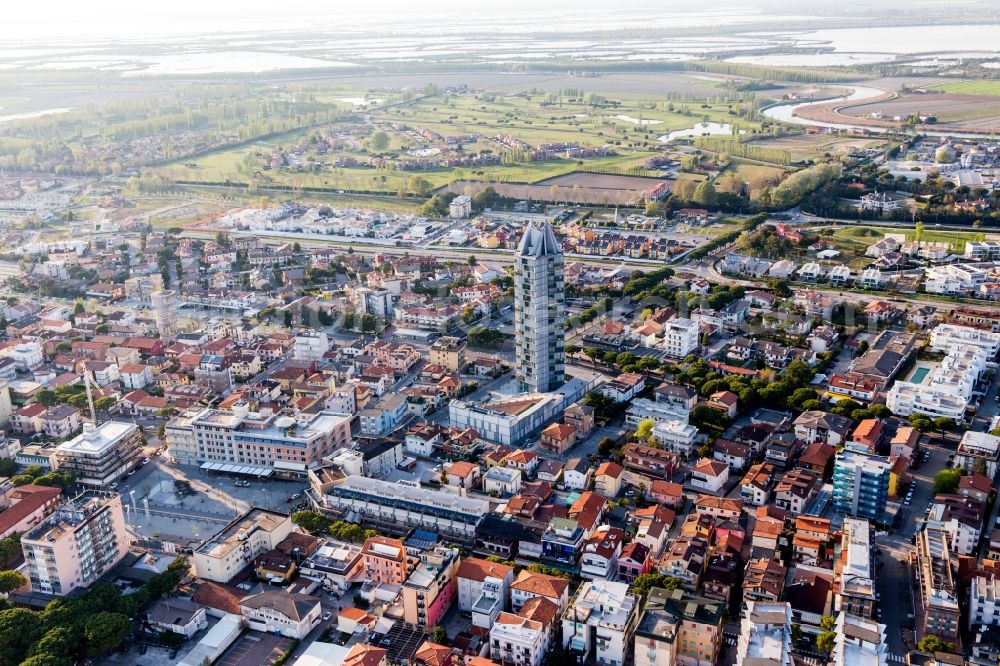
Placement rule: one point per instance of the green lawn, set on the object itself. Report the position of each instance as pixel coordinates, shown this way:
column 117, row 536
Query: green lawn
column 970, row 87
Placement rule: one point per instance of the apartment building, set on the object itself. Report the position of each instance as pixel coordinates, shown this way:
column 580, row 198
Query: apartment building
column 428, row 591
column 289, row 614
column 978, row 449
column 76, row 545
column 258, row 439
column 945, row 337
column 937, row 585
column 859, row 641
column 765, row 635
column 984, row 602
column 337, row 564
column 949, row 388
column 236, row 545
column 385, row 561
column 680, row 337
column 396, row 507
column 483, row 589
column 599, row 623
column 853, row 570
column 421, row 318
column 448, row 352
column 101, row 454
column 860, row 483
column 676, row 436
column 678, row 629
column 530, row 585
column 310, row 346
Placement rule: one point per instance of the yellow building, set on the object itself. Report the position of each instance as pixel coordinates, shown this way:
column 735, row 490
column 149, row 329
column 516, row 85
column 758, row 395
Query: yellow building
column 448, row 352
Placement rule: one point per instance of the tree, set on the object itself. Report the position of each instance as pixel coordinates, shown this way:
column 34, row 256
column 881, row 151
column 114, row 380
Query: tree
column 8, row 467
column 311, row 521
column 104, row 631
column 946, row 480
column 944, row 423
column 472, row 260
column 439, row 635
column 605, row 447
column 800, row 396
column 704, row 416
column 419, row 185
column 827, row 622
column 19, row 629
column 645, row 429
column 11, row 580
column 59, row 641
column 921, row 422
column 10, row 548
column 825, row 641
column 104, row 403
column 931, row 643
column 643, row 583
column 46, row 659
column 705, row 194
column 380, row 140
column 979, row 466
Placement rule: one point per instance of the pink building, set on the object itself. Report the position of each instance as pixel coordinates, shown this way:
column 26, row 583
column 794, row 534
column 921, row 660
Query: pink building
column 77, row 545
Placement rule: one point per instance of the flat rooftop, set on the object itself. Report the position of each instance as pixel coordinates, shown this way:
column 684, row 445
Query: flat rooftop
column 94, row 441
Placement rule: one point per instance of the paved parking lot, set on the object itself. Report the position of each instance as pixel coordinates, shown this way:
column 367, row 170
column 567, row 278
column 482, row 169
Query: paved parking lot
column 255, row 649
column 154, row 508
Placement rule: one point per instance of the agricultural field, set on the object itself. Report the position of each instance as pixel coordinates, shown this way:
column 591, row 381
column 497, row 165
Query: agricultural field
column 446, row 131
column 807, row 147
column 971, row 87
column 853, row 240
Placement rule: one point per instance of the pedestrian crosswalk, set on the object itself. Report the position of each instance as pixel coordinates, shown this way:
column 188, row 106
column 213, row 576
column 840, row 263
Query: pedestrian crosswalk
column 895, row 658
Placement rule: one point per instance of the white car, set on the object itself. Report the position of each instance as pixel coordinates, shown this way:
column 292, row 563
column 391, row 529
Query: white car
column 327, row 615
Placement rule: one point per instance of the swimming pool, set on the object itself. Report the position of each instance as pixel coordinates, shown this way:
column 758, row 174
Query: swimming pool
column 919, row 375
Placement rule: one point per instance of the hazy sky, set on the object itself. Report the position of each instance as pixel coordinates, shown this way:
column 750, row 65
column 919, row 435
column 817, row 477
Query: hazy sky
column 55, row 17
column 45, row 21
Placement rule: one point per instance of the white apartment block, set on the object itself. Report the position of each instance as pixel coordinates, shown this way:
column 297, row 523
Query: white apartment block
column 460, row 207
column 765, row 635
column 402, row 505
column 27, row 356
column 859, row 642
column 982, row 250
column 600, row 621
column 680, row 337
column 643, row 408
column 947, row 391
column 953, row 279
column 945, row 337
column 258, row 439
column 249, row 536
column 101, row 454
column 310, row 346
column 518, row 641
column 75, row 546
column 984, row 602
column 676, row 436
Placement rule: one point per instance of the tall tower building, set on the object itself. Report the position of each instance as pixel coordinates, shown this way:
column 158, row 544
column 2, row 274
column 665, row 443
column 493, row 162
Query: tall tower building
column 539, row 310
column 165, row 311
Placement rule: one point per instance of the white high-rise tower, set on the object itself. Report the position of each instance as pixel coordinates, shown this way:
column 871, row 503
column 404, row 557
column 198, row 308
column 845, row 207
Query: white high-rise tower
column 165, row 311
column 539, row 310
